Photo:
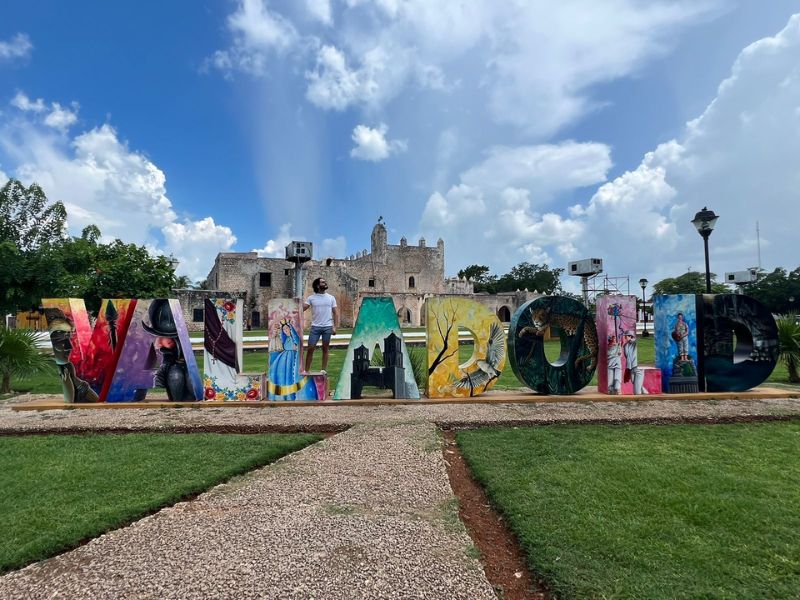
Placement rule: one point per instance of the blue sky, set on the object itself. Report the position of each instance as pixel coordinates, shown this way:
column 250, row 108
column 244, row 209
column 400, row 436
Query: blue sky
column 515, row 131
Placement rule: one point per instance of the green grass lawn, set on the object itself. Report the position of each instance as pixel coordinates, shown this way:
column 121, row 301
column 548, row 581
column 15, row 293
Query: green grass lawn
column 257, row 361
column 651, row 512
column 57, row 491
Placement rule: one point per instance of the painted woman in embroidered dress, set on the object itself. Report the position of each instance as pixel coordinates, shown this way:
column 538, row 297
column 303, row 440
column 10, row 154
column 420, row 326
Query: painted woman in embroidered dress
column 284, row 371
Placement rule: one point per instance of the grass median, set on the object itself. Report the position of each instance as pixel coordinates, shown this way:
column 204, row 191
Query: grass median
column 57, row 491
column 709, row 511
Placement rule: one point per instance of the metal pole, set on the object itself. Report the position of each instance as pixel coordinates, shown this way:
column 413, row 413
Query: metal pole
column 708, row 270
column 585, row 286
column 758, row 243
column 644, row 314
column 298, row 280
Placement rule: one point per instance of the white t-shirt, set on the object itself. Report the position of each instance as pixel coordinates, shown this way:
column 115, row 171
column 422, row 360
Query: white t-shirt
column 322, row 306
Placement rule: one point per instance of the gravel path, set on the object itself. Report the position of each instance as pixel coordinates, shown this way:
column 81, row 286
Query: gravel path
column 337, row 418
column 367, row 513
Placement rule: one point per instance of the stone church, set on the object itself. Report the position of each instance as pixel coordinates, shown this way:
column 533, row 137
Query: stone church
column 409, row 274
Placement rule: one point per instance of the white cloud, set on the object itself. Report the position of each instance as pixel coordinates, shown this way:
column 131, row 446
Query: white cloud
column 333, row 247
column 61, row 118
column 389, row 7
column 22, row 102
column 58, row 117
column 103, row 182
column 320, row 10
column 260, row 28
column 18, row 47
column 371, row 144
column 575, row 46
column 739, row 158
column 333, row 85
column 543, row 169
column 493, row 216
column 196, row 243
column 257, row 33
column 532, row 63
column 276, row 248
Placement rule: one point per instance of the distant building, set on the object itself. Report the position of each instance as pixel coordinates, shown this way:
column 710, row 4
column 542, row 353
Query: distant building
column 409, row 274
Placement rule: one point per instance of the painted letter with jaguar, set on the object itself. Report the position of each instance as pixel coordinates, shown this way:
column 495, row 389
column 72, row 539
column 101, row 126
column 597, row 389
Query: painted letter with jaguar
column 579, row 347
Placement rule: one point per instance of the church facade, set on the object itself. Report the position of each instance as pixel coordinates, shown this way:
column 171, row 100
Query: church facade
column 408, row 273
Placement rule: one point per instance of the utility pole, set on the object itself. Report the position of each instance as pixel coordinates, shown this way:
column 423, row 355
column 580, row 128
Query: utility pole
column 758, row 245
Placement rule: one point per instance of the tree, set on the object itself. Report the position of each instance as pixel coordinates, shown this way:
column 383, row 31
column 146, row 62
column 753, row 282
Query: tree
column 19, row 356
column 26, row 218
column 480, row 276
column 525, row 276
column 40, row 260
column 692, row 282
column 29, row 228
column 474, row 272
column 533, row 277
column 184, row 282
column 117, row 270
column 12, row 275
column 776, row 289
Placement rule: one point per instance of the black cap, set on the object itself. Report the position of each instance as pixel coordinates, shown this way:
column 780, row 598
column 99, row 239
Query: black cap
column 162, row 323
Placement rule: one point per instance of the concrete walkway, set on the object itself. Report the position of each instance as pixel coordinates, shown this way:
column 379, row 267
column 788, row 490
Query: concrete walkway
column 367, row 513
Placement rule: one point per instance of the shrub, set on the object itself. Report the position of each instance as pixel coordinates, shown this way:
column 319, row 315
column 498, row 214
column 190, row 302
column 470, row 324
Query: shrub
column 789, row 342
column 19, row 356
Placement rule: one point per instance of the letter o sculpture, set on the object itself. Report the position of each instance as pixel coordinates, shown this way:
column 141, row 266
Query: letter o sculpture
column 575, row 365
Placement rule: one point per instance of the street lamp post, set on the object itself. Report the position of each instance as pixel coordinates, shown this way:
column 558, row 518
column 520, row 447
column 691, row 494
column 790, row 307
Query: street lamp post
column 704, row 222
column 643, row 283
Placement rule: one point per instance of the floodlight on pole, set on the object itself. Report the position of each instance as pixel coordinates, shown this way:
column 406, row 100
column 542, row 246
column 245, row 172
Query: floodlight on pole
column 704, row 222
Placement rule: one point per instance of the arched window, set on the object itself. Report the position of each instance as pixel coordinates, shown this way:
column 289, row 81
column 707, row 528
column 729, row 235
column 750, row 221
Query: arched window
column 411, row 282
column 504, row 314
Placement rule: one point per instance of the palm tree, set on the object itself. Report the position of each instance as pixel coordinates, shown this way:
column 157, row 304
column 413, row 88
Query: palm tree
column 789, row 341
column 19, row 356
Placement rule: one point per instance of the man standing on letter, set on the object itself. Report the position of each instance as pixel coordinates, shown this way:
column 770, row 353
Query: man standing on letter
column 324, row 316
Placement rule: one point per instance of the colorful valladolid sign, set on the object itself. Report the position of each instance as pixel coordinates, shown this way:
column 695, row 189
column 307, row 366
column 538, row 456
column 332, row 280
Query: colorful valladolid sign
column 722, row 342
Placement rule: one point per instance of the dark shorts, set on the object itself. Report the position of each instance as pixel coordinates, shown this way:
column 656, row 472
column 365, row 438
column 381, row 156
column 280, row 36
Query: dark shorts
column 319, row 332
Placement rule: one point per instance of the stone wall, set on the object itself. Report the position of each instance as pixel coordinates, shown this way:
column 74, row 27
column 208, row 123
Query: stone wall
column 409, row 274
column 193, row 300
column 505, row 304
